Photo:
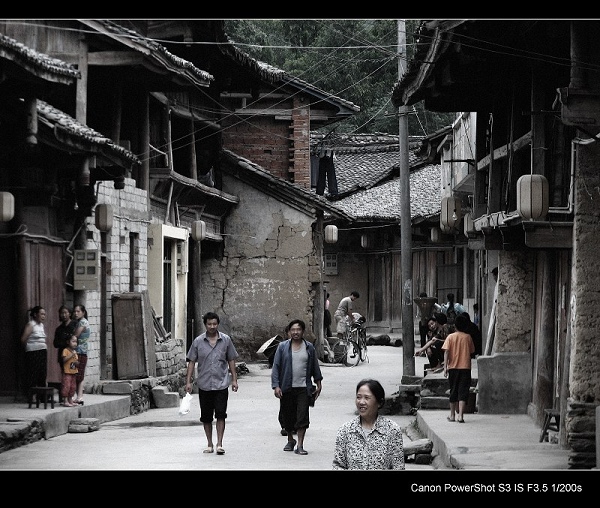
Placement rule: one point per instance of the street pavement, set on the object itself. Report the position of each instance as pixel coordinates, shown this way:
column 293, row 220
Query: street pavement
column 161, row 439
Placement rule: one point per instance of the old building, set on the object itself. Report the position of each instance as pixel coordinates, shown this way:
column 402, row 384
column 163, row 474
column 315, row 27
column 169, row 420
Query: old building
column 367, row 254
column 527, row 175
column 148, row 192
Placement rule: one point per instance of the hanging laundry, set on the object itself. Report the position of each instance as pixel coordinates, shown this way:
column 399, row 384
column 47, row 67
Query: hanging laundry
column 327, row 176
column 314, row 171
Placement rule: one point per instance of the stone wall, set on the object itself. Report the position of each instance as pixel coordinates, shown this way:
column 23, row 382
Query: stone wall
column 266, row 274
column 581, row 431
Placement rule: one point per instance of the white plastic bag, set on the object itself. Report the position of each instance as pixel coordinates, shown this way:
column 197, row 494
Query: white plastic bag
column 184, row 407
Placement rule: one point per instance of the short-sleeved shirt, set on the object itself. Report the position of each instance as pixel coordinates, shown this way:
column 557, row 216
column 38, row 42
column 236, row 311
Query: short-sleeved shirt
column 212, row 362
column 345, row 306
column 82, row 340
column 69, row 367
column 460, row 347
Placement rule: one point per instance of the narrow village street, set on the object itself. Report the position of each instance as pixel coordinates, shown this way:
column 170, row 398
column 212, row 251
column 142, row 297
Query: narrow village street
column 161, row 439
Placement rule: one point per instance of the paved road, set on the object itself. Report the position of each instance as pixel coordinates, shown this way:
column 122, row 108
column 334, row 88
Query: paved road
column 160, row 439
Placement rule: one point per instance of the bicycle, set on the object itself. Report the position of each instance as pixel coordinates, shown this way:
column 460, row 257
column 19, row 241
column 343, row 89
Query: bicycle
column 352, row 348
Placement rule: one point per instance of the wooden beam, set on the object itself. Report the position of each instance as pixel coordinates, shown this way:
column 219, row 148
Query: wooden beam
column 115, row 58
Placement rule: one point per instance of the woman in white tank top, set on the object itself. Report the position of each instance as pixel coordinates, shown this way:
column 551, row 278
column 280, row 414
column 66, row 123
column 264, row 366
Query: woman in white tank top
column 34, row 341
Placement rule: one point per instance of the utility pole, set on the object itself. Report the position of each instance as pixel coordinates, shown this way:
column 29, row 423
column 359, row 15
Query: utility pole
column 408, row 330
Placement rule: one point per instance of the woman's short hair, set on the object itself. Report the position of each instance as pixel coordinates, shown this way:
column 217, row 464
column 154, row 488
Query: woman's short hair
column 376, row 389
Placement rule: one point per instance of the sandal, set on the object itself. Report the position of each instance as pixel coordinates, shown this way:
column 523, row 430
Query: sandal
column 301, row 451
column 220, row 450
column 208, row 450
column 289, row 446
column 450, row 419
column 460, row 421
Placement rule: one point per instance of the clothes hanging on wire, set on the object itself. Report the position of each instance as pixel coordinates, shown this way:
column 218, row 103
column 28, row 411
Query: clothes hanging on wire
column 327, row 175
column 314, row 171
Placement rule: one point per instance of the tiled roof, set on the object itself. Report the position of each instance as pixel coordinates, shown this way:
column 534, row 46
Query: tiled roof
column 152, row 50
column 433, row 37
column 60, row 121
column 367, row 168
column 361, row 160
column 382, row 202
column 273, row 74
column 285, row 190
column 37, row 63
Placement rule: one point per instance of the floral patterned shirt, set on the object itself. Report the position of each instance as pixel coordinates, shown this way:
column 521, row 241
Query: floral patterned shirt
column 381, row 448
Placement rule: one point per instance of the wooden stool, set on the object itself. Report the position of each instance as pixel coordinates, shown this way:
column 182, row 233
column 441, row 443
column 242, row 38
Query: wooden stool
column 549, row 415
column 44, row 393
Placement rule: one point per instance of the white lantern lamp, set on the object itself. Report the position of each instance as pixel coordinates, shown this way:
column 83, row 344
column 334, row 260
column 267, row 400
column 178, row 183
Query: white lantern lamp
column 451, row 212
column 198, row 230
column 331, row 234
column 7, row 206
column 533, row 197
column 103, row 217
column 469, row 226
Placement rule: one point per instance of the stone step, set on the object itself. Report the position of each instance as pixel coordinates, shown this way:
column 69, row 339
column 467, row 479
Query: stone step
column 163, row 398
column 434, row 403
column 79, row 425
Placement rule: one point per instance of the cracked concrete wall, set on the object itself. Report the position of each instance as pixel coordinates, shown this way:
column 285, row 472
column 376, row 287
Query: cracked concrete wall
column 268, row 271
column 584, row 378
column 515, row 303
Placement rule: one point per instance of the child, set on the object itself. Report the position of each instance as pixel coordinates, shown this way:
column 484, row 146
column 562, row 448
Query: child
column 70, row 362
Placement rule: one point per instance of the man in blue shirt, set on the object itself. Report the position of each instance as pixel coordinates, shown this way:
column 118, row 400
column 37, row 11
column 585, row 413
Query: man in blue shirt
column 295, row 367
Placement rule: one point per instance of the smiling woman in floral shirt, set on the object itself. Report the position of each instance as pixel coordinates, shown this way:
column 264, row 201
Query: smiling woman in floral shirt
column 369, row 441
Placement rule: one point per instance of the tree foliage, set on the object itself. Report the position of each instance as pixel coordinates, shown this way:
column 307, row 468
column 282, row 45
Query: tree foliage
column 354, row 59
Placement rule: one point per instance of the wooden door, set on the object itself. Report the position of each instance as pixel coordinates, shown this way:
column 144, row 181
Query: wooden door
column 133, row 330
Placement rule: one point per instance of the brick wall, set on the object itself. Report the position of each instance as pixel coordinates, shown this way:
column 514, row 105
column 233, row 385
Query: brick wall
column 281, row 147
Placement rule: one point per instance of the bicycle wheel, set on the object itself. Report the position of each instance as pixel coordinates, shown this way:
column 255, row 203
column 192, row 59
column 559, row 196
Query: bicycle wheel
column 339, row 351
column 346, row 352
column 352, row 354
column 362, row 340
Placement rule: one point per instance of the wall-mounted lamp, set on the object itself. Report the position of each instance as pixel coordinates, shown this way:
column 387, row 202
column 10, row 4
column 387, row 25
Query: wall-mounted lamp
column 198, row 230
column 103, row 217
column 7, row 206
column 533, row 196
column 365, row 241
column 331, row 234
column 451, row 212
column 468, row 226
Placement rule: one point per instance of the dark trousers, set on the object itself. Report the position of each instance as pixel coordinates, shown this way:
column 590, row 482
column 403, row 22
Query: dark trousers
column 36, row 369
column 295, row 408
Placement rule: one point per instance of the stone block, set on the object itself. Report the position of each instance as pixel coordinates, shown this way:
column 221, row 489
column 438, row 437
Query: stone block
column 117, row 388
column 505, row 383
column 163, row 398
column 80, row 425
column 417, row 446
column 423, row 458
column 434, row 403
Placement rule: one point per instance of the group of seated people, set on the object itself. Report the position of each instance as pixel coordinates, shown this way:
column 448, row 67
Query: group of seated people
column 436, row 335
column 438, row 329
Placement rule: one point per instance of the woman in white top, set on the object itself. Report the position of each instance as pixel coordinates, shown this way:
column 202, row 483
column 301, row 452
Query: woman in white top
column 34, row 341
